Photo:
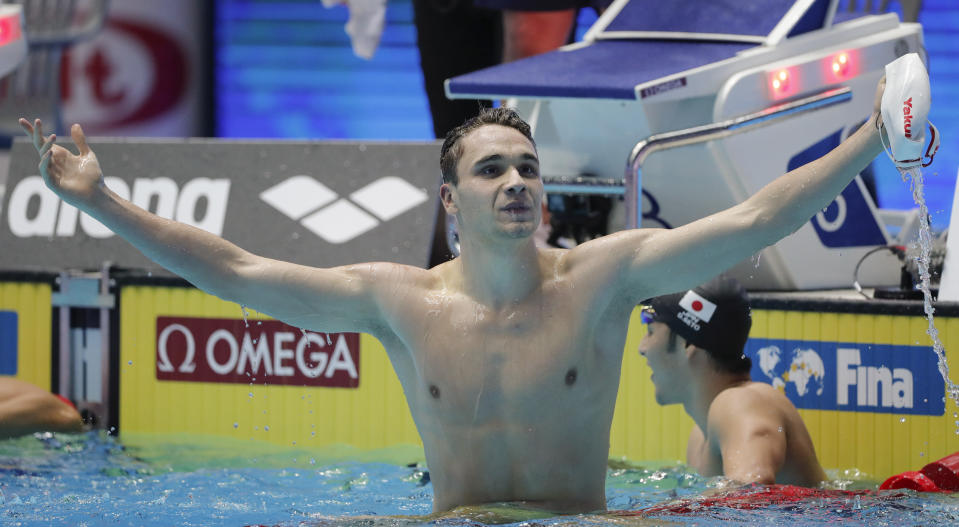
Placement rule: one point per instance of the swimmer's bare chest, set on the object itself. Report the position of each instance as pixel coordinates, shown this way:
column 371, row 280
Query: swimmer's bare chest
column 511, row 402
column 502, row 364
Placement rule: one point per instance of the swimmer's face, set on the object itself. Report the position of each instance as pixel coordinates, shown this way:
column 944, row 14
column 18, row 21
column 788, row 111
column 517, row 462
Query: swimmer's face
column 668, row 364
column 498, row 189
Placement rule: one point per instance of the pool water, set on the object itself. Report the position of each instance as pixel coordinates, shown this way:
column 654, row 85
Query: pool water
column 92, row 480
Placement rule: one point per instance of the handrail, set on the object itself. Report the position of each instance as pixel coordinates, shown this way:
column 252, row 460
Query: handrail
column 699, row 134
column 584, row 185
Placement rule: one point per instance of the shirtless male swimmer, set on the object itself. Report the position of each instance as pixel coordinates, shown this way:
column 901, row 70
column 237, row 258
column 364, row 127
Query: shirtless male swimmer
column 746, row 431
column 509, row 355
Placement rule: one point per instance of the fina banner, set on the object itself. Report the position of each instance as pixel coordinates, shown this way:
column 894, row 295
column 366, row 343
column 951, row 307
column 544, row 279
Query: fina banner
column 851, row 377
column 314, row 203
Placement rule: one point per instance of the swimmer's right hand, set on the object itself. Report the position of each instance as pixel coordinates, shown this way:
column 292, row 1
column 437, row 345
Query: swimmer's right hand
column 76, row 178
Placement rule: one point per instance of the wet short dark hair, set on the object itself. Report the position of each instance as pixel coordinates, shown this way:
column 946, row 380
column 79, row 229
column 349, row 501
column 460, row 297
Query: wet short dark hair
column 452, row 149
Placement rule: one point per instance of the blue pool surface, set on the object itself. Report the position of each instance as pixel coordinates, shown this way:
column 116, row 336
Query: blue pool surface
column 93, row 480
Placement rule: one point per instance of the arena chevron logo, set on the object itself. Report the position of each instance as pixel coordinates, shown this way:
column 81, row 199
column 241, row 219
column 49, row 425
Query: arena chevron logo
column 337, row 219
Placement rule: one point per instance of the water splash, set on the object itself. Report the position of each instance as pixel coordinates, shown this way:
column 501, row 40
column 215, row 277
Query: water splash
column 915, row 180
column 246, row 316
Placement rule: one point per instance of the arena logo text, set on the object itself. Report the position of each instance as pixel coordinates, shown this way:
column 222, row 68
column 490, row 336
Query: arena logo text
column 34, row 210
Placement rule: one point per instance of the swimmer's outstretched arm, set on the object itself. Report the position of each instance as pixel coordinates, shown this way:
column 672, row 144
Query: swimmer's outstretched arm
column 339, row 299
column 652, row 262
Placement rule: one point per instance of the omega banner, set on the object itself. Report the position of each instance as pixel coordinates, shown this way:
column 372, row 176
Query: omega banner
column 260, row 351
column 314, row 203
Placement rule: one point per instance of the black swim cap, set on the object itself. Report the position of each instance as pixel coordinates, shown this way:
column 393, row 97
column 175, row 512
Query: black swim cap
column 714, row 316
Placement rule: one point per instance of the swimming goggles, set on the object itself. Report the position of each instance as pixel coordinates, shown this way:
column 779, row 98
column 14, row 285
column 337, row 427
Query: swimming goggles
column 647, row 314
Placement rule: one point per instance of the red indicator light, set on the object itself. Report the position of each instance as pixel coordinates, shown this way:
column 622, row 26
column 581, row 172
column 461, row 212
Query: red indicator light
column 783, row 83
column 9, row 29
column 841, row 66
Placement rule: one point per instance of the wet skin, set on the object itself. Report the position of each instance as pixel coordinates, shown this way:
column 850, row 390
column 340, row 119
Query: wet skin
column 509, row 355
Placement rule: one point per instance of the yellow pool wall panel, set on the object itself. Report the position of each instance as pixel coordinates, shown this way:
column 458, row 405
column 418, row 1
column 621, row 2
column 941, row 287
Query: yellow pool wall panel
column 372, row 416
column 31, row 301
column 375, row 415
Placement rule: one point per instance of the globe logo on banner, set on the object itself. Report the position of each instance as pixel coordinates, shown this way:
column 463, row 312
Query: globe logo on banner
column 803, row 368
column 852, row 377
column 849, row 220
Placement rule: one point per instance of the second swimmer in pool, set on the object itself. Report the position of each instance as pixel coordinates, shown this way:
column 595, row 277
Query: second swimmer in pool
column 744, row 430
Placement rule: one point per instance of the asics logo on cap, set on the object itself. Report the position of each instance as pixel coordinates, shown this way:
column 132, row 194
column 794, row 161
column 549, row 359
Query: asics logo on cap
column 698, row 306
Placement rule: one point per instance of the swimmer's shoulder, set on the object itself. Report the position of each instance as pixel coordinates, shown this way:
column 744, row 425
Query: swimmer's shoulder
column 766, row 394
column 747, row 399
column 753, row 402
column 446, row 277
column 388, row 279
column 610, row 253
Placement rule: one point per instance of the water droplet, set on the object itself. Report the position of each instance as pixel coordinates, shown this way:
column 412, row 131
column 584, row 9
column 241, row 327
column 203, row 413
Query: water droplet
column 902, row 419
column 312, row 461
column 251, row 395
column 266, row 428
column 236, row 425
column 130, row 363
column 294, row 442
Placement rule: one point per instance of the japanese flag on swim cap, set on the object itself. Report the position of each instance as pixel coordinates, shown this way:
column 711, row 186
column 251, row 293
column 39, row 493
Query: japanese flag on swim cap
column 714, row 316
column 698, row 306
